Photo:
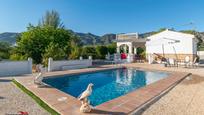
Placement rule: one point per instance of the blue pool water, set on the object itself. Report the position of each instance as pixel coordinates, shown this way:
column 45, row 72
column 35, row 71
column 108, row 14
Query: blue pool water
column 108, row 84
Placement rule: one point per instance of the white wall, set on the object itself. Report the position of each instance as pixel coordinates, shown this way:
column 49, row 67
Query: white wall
column 12, row 68
column 186, row 44
column 178, row 48
column 68, row 64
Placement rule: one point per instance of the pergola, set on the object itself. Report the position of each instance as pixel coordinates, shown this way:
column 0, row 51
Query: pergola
column 128, row 43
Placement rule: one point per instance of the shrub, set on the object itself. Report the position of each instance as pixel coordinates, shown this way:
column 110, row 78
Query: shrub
column 101, row 51
column 112, row 48
column 54, row 51
column 5, row 49
column 89, row 51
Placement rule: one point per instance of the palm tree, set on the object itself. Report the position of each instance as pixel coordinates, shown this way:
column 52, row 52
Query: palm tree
column 52, row 19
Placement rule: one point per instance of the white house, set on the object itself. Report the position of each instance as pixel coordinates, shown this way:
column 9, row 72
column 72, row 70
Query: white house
column 171, row 44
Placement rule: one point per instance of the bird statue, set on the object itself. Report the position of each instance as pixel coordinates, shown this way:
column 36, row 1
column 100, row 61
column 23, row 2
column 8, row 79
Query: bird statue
column 85, row 107
column 38, row 80
column 86, row 93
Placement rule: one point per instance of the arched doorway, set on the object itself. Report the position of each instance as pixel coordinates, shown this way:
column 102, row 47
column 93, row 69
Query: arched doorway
column 124, row 48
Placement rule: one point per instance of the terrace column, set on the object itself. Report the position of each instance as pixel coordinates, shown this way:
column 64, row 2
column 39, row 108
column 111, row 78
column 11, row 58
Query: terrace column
column 130, row 48
column 118, row 49
column 135, row 50
column 130, row 55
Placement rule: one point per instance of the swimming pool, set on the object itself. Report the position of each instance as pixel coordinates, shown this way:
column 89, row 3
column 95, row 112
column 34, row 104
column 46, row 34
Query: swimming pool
column 108, row 84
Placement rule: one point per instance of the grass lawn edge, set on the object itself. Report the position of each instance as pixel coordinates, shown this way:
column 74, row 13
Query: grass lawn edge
column 36, row 98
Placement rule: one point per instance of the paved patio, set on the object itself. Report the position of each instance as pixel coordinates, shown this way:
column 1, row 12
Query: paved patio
column 13, row 100
column 187, row 98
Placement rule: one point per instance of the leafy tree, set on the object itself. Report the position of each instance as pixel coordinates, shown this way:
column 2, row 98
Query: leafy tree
column 36, row 41
column 112, row 48
column 101, row 51
column 4, row 50
column 89, row 51
column 18, row 56
column 75, row 49
column 140, row 50
column 53, row 50
column 4, row 46
column 48, row 39
column 52, row 19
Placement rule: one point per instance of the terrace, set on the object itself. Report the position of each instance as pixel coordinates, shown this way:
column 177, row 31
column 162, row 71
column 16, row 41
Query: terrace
column 135, row 102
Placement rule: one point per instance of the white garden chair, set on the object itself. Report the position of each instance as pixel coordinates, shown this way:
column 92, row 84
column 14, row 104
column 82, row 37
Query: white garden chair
column 187, row 61
column 172, row 62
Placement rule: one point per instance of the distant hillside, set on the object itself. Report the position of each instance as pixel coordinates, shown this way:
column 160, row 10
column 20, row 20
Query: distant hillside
column 89, row 39
column 86, row 38
column 9, row 37
column 108, row 38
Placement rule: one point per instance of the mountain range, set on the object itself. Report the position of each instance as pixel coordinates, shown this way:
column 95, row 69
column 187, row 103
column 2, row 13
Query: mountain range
column 9, row 37
column 86, row 38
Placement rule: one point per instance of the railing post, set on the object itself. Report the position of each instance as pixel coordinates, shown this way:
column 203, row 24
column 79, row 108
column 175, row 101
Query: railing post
column 80, row 58
column 91, row 61
column 90, row 57
column 30, row 65
column 50, row 60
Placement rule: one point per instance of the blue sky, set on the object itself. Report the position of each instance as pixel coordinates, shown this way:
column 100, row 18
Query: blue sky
column 105, row 16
